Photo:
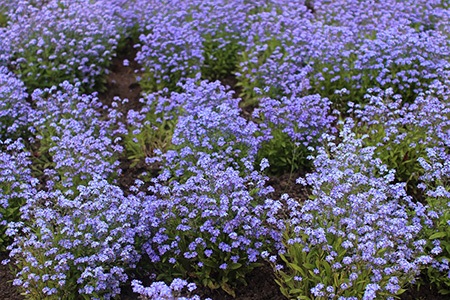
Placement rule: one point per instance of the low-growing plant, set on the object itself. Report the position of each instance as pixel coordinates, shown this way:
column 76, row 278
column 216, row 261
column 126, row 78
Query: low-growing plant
column 3, row 19
column 16, row 184
column 211, row 122
column 358, row 235
column 329, row 82
column 208, row 185
column 398, row 58
column 74, row 143
column 151, row 129
column 79, row 41
column 75, row 247
column 4, row 10
column 221, row 54
column 273, row 56
column 295, row 124
column 14, row 108
column 401, row 132
column 285, row 155
column 169, row 54
column 436, row 185
column 160, row 290
column 225, row 210
column 249, row 80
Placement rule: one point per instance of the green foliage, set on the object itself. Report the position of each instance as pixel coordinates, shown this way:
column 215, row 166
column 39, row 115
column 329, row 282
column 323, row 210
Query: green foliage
column 283, row 154
column 304, row 269
column 400, row 154
column 153, row 133
column 16, row 184
column 439, row 234
column 325, row 81
column 220, row 56
column 3, row 19
column 205, row 270
column 150, row 82
column 342, row 238
column 401, row 134
column 250, row 81
column 15, row 197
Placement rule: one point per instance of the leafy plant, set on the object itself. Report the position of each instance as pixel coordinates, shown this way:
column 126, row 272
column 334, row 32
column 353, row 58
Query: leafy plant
column 249, row 81
column 294, row 127
column 72, row 142
column 223, row 209
column 221, row 53
column 3, row 19
column 80, row 40
column 159, row 290
column 16, row 182
column 150, row 130
column 209, row 201
column 401, row 132
column 75, row 247
column 436, row 185
column 393, row 58
column 169, row 54
column 14, row 108
column 284, row 155
column 357, row 235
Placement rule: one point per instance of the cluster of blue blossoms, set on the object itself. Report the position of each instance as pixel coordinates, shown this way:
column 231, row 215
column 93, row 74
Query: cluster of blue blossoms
column 353, row 95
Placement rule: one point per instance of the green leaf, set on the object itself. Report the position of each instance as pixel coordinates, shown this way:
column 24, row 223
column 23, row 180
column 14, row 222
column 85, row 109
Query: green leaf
column 297, row 268
column 210, row 263
column 444, row 291
column 235, row 266
column 212, row 285
column 438, row 235
column 228, row 290
column 296, row 291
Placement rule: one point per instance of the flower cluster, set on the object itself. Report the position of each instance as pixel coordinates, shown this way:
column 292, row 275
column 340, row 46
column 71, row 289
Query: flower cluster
column 359, row 235
column 208, row 185
column 76, row 245
column 435, row 182
column 401, row 132
column 211, row 123
column 170, row 53
column 177, row 186
column 14, row 109
column 60, row 40
column 272, row 59
column 16, row 184
column 295, row 124
column 74, row 142
column 403, row 59
column 160, row 290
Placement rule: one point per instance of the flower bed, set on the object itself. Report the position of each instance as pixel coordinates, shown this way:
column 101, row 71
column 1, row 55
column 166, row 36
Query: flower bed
column 170, row 194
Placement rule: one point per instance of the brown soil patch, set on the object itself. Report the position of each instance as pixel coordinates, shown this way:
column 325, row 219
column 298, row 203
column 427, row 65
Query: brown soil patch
column 286, row 184
column 261, row 286
column 7, row 290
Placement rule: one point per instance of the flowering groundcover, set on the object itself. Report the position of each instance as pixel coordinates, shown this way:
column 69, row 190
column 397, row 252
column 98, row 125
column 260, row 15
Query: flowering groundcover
column 170, row 194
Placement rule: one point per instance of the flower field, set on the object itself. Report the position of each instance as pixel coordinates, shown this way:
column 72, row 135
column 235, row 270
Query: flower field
column 167, row 149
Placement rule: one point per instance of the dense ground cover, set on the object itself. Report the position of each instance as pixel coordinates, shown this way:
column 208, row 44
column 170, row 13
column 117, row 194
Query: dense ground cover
column 195, row 149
